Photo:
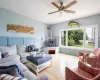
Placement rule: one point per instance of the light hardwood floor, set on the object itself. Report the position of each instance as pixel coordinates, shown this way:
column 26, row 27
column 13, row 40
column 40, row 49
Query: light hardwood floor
column 59, row 62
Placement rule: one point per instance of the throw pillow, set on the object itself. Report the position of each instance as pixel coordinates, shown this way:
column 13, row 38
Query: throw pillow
column 4, row 55
column 92, row 55
column 31, row 48
column 11, row 70
column 9, row 77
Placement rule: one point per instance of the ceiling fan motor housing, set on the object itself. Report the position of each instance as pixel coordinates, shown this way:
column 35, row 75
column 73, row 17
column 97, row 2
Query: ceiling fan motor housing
column 61, row 7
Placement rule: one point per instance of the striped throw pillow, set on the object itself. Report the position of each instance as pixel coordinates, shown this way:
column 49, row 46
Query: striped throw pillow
column 9, row 77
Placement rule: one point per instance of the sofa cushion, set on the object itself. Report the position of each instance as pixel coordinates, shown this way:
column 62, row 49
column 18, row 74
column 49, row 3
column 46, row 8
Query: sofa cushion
column 11, row 50
column 24, row 55
column 21, row 48
column 9, row 59
column 83, row 73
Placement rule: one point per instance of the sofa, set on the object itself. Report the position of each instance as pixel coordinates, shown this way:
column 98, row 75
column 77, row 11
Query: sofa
column 15, row 50
column 82, row 72
column 17, row 55
column 22, row 52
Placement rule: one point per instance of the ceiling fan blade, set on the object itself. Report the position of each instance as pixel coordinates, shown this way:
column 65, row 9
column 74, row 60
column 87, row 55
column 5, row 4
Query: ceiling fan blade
column 69, row 11
column 55, row 5
column 53, row 12
column 61, row 3
column 70, row 4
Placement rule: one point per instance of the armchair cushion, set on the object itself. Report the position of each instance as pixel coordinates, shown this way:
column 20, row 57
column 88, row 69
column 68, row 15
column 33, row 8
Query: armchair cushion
column 83, row 73
column 71, row 75
column 94, row 72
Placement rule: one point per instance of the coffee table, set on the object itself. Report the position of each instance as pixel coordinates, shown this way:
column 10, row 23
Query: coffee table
column 37, row 64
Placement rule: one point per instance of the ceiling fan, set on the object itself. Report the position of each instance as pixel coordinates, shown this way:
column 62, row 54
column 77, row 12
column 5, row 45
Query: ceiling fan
column 63, row 8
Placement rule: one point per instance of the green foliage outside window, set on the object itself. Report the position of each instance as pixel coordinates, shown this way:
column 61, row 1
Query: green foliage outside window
column 65, row 38
column 75, row 37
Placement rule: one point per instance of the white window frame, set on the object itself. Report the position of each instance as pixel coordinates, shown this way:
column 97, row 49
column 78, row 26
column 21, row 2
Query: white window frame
column 84, row 37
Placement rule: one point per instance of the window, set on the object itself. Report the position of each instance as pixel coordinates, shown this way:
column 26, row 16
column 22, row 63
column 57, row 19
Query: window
column 78, row 37
column 75, row 38
column 90, row 38
column 63, row 38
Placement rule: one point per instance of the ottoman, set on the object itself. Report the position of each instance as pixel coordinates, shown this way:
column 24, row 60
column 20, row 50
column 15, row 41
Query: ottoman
column 39, row 63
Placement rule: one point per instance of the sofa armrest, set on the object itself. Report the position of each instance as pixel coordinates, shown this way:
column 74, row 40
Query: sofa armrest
column 88, row 69
column 70, row 75
column 42, row 77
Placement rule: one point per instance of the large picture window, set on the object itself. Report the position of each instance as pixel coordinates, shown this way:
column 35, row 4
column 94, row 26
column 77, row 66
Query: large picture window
column 80, row 37
column 75, row 37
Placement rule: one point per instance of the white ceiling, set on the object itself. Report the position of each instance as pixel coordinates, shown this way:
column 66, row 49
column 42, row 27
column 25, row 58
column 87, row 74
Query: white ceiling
column 39, row 9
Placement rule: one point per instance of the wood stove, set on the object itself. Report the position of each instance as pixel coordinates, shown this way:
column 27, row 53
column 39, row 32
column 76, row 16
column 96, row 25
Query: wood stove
column 51, row 43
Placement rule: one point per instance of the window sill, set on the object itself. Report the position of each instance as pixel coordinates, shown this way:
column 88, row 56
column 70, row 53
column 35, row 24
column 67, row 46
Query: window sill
column 77, row 48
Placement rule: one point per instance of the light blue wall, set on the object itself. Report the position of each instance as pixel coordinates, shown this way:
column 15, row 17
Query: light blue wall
column 8, row 17
column 92, row 20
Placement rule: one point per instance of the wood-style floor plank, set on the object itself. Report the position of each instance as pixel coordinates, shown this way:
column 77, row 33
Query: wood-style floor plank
column 59, row 62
